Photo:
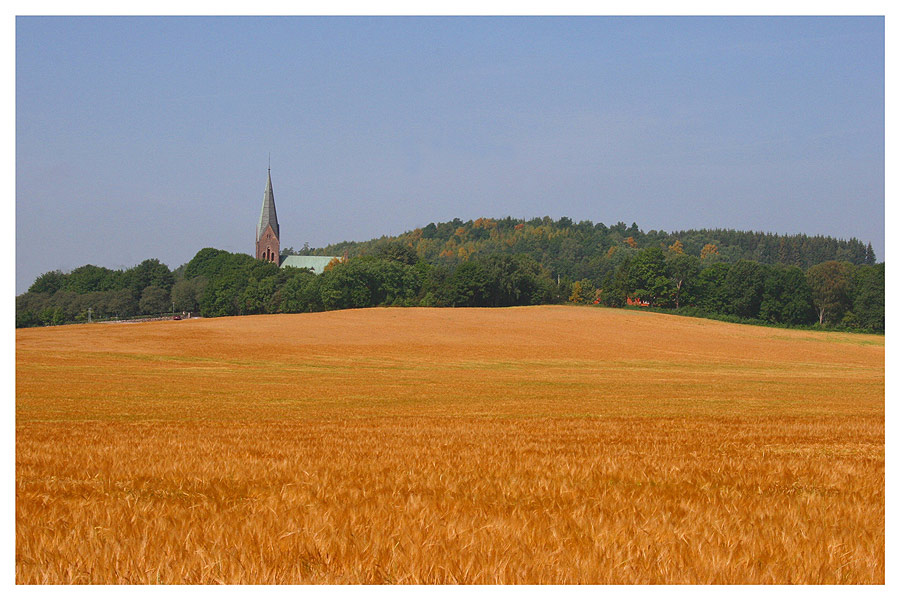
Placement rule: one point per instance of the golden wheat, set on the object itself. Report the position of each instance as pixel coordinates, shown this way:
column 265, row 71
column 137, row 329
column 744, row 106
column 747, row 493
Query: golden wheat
column 524, row 445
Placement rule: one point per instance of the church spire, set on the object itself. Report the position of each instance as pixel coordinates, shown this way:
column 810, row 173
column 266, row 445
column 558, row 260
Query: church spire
column 267, row 232
column 268, row 216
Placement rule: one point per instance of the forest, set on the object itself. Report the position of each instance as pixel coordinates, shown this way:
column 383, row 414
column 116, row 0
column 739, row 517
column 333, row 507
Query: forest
column 752, row 277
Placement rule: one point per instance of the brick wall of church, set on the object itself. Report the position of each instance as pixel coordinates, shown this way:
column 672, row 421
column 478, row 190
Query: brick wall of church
column 268, row 247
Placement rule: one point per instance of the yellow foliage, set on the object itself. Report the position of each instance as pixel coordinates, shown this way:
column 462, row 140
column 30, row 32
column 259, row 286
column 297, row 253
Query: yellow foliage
column 708, row 250
column 576, row 297
column 334, row 261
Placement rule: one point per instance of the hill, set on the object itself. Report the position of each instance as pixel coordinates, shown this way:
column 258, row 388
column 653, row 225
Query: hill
column 576, row 250
column 422, row 445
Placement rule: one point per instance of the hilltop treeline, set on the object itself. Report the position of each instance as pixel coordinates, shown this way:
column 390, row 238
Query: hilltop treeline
column 480, row 263
column 578, row 249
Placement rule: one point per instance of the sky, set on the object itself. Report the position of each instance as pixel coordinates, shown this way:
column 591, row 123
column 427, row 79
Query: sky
column 149, row 137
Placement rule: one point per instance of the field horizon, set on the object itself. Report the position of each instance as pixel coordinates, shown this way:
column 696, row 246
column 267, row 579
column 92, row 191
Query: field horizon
column 551, row 444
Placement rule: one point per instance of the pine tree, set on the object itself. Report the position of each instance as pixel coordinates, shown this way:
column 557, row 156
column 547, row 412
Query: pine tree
column 870, row 255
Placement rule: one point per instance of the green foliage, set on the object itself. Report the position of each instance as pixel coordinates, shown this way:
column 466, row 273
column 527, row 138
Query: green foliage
column 369, row 281
column 744, row 285
column 151, row 272
column 186, row 294
column 683, row 270
column 398, row 252
column 154, row 300
column 870, row 255
column 468, row 285
column 786, row 297
column 300, row 293
column 259, row 296
column 577, row 250
column 121, row 303
column 648, row 278
column 206, row 262
column 221, row 298
column 868, row 299
column 502, row 262
column 712, row 293
column 48, row 283
column 514, row 281
column 90, row 278
column 831, row 285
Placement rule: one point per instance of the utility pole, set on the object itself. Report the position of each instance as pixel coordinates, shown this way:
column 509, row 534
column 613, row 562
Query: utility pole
column 89, row 314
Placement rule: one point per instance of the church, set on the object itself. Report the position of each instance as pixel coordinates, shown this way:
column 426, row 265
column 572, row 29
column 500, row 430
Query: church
column 268, row 238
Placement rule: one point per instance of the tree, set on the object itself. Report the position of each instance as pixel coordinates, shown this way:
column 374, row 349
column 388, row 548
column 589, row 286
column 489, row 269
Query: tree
column 222, row 295
column 648, row 277
column 744, row 283
column 514, row 280
column 830, row 284
column 868, row 297
column 49, row 282
column 435, row 288
column 208, row 262
column 708, row 251
column 147, row 273
column 90, row 278
column 186, row 293
column 468, row 284
column 29, row 307
column 429, row 231
column 257, row 296
column 683, row 270
column 154, row 300
column 123, row 303
column 301, row 293
column 712, row 290
column 397, row 252
column 577, row 291
column 786, row 296
column 345, row 286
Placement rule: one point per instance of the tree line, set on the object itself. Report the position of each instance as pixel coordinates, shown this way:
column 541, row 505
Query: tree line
column 832, row 293
column 688, row 278
column 579, row 249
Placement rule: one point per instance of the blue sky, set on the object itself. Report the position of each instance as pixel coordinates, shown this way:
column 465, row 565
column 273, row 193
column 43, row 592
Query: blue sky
column 149, row 137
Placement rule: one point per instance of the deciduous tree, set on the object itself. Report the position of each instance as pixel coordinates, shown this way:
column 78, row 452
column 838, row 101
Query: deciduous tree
column 683, row 269
column 830, row 284
column 154, row 300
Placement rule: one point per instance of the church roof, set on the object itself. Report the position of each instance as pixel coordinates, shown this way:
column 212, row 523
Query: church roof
column 316, row 263
column 267, row 216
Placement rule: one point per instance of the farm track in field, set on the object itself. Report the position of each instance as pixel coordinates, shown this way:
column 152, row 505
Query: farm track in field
column 521, row 445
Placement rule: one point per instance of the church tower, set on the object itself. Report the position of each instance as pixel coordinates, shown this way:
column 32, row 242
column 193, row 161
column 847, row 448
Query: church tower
column 268, row 245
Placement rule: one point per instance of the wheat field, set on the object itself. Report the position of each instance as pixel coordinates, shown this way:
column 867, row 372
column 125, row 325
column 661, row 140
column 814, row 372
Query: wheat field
column 520, row 445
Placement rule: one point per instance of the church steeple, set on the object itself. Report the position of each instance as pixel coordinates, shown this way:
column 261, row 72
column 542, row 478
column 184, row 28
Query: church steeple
column 267, row 232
